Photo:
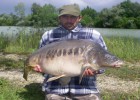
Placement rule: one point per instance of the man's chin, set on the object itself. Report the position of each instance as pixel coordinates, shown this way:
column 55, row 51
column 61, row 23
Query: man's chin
column 69, row 28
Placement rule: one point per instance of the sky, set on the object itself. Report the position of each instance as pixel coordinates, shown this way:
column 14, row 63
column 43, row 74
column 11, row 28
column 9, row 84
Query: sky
column 7, row 6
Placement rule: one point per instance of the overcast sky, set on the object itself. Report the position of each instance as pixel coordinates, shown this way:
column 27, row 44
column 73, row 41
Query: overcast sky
column 7, row 6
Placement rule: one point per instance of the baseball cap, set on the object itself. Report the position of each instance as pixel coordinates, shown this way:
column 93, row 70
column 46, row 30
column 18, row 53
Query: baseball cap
column 72, row 9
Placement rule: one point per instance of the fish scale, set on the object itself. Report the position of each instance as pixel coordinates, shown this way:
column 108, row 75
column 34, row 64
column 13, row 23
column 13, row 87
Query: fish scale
column 69, row 58
column 63, row 52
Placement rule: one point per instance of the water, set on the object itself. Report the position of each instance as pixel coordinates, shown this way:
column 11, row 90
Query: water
column 13, row 30
column 119, row 32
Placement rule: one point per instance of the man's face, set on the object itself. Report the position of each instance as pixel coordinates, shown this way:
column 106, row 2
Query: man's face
column 69, row 21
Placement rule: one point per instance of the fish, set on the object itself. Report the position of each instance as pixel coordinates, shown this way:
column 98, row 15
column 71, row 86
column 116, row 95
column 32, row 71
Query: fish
column 69, row 58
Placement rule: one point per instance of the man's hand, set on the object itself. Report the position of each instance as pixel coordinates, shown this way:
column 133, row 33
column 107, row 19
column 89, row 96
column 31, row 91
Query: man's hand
column 89, row 72
column 37, row 68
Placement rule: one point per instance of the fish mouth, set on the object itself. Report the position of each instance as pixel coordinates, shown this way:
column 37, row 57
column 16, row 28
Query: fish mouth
column 118, row 64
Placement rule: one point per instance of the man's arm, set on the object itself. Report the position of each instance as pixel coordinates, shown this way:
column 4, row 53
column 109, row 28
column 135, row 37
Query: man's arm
column 44, row 40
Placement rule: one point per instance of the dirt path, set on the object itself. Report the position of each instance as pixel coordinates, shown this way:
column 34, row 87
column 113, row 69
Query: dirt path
column 104, row 82
column 117, row 84
column 16, row 76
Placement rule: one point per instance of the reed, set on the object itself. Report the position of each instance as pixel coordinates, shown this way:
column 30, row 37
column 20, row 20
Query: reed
column 22, row 43
column 126, row 48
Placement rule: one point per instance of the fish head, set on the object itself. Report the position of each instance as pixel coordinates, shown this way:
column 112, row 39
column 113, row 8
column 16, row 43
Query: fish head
column 110, row 60
column 30, row 63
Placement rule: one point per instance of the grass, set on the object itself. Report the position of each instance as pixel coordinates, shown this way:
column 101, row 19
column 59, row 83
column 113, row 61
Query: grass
column 10, row 91
column 3, row 42
column 33, row 92
column 10, row 64
column 112, row 95
column 125, row 73
column 6, row 92
column 22, row 44
column 125, row 48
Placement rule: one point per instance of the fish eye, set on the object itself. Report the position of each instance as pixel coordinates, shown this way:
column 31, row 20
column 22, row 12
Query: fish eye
column 107, row 56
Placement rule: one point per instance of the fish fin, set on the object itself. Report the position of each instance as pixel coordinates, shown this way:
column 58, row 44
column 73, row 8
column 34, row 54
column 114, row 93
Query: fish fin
column 27, row 69
column 55, row 78
column 64, row 80
column 82, row 74
column 84, row 68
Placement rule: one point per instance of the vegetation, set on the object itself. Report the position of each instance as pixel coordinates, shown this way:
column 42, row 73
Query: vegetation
column 129, row 47
column 33, row 92
column 24, row 44
column 111, row 95
column 14, row 92
column 124, row 15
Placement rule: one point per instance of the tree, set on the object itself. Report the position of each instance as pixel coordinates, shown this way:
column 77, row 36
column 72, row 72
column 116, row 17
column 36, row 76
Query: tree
column 111, row 17
column 89, row 16
column 131, row 9
column 8, row 19
column 35, row 11
column 123, row 15
column 87, row 21
column 89, row 11
column 137, row 21
column 48, row 15
column 44, row 16
column 20, row 10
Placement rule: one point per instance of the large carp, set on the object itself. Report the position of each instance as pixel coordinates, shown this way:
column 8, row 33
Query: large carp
column 69, row 58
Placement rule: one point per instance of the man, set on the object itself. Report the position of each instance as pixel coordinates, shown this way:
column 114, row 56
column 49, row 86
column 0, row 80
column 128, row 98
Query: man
column 70, row 28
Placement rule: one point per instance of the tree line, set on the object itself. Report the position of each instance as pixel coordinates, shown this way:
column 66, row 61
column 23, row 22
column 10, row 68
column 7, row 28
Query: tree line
column 124, row 15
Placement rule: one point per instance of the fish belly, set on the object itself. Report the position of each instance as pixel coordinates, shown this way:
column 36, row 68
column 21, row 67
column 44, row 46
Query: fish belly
column 68, row 65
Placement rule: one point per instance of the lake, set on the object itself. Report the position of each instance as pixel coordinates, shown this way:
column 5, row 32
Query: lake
column 13, row 30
